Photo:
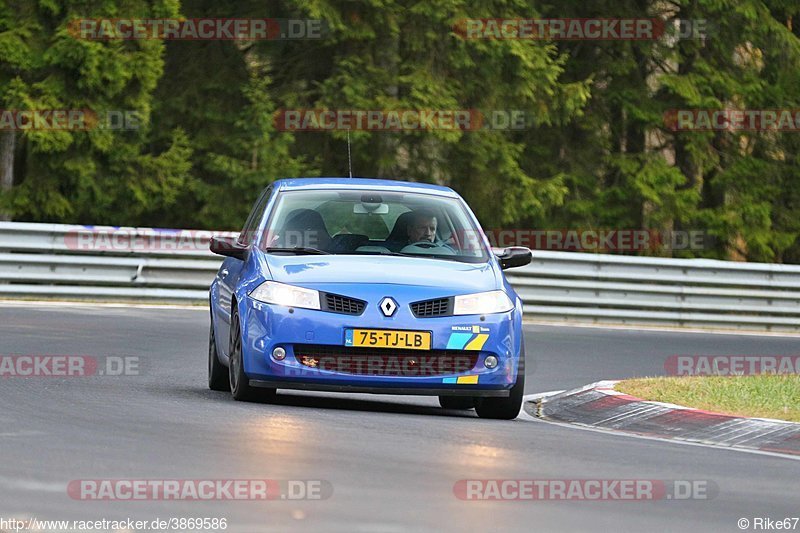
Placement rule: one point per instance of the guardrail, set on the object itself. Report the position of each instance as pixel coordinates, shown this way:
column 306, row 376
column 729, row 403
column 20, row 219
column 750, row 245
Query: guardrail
column 105, row 263
column 645, row 290
column 145, row 264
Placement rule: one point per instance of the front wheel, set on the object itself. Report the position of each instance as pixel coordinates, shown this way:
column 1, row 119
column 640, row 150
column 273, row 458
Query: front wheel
column 503, row 408
column 239, row 382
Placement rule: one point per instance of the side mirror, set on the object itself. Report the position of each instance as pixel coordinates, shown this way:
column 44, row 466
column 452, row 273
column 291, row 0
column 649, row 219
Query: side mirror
column 515, row 256
column 228, row 246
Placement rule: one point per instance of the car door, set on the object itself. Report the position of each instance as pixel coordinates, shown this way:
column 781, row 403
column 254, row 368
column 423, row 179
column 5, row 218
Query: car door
column 231, row 270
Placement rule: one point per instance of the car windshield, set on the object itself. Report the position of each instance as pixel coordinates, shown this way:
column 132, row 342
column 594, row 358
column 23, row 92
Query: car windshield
column 363, row 222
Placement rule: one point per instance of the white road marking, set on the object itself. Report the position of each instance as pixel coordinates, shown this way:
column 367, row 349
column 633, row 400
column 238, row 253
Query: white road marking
column 538, row 395
column 29, row 484
column 62, row 304
column 21, row 434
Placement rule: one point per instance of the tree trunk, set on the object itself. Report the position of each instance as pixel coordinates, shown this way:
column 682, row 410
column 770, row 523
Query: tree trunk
column 7, row 144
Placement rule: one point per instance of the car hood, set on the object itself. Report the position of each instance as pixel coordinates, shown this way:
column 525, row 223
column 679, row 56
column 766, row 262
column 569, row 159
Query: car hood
column 387, row 270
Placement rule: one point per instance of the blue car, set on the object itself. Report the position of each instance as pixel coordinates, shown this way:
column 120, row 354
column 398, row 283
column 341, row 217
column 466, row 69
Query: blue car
column 366, row 285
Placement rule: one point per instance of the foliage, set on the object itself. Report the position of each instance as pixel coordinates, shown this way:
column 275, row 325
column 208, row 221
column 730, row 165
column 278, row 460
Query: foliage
column 597, row 151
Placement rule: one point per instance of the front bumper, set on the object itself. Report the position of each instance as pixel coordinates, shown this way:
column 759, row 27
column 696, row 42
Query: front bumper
column 268, row 326
column 383, row 389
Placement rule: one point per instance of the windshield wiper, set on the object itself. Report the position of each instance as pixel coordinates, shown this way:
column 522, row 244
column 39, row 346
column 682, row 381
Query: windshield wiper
column 376, row 252
column 456, row 258
column 299, row 250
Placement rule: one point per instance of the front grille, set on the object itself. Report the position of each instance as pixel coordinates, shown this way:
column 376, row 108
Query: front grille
column 342, row 304
column 385, row 361
column 429, row 308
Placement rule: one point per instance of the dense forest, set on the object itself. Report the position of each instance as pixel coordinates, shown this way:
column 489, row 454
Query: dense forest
column 600, row 147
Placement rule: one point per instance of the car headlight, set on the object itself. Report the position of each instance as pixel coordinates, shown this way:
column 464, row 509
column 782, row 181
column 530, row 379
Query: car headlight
column 482, row 303
column 272, row 292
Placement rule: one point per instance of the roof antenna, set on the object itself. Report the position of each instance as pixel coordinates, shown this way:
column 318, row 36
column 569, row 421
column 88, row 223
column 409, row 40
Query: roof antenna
column 349, row 160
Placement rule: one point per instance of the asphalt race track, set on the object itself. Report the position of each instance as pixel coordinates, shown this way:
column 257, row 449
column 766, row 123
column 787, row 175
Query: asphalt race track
column 392, row 461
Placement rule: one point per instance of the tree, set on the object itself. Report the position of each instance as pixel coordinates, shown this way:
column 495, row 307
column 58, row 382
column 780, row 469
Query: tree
column 76, row 174
column 402, row 56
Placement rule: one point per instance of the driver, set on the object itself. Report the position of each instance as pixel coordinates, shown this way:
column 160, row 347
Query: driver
column 422, row 227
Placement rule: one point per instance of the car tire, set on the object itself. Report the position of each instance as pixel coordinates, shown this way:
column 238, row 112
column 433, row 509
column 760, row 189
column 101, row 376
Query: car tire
column 457, row 402
column 239, row 382
column 217, row 373
column 505, row 408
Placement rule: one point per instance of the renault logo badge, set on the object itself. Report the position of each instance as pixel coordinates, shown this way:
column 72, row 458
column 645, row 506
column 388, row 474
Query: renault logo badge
column 388, row 306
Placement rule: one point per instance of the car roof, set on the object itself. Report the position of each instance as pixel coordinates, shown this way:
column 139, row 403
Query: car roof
column 373, row 184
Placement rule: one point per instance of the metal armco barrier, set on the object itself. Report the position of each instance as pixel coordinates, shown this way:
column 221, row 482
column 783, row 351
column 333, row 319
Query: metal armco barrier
column 105, row 263
column 142, row 264
column 646, row 290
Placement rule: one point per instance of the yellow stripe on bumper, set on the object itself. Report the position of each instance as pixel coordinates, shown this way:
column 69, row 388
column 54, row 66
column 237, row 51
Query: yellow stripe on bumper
column 477, row 343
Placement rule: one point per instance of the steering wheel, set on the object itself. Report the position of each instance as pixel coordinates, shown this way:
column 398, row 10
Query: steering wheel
column 425, row 244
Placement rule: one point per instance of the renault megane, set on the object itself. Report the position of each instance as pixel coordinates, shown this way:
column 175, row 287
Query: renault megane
column 365, row 285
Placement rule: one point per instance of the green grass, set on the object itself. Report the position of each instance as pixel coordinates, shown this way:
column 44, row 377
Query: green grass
column 764, row 396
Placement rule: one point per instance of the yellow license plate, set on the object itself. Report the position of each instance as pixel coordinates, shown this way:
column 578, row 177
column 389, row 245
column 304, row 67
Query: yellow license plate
column 388, row 338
